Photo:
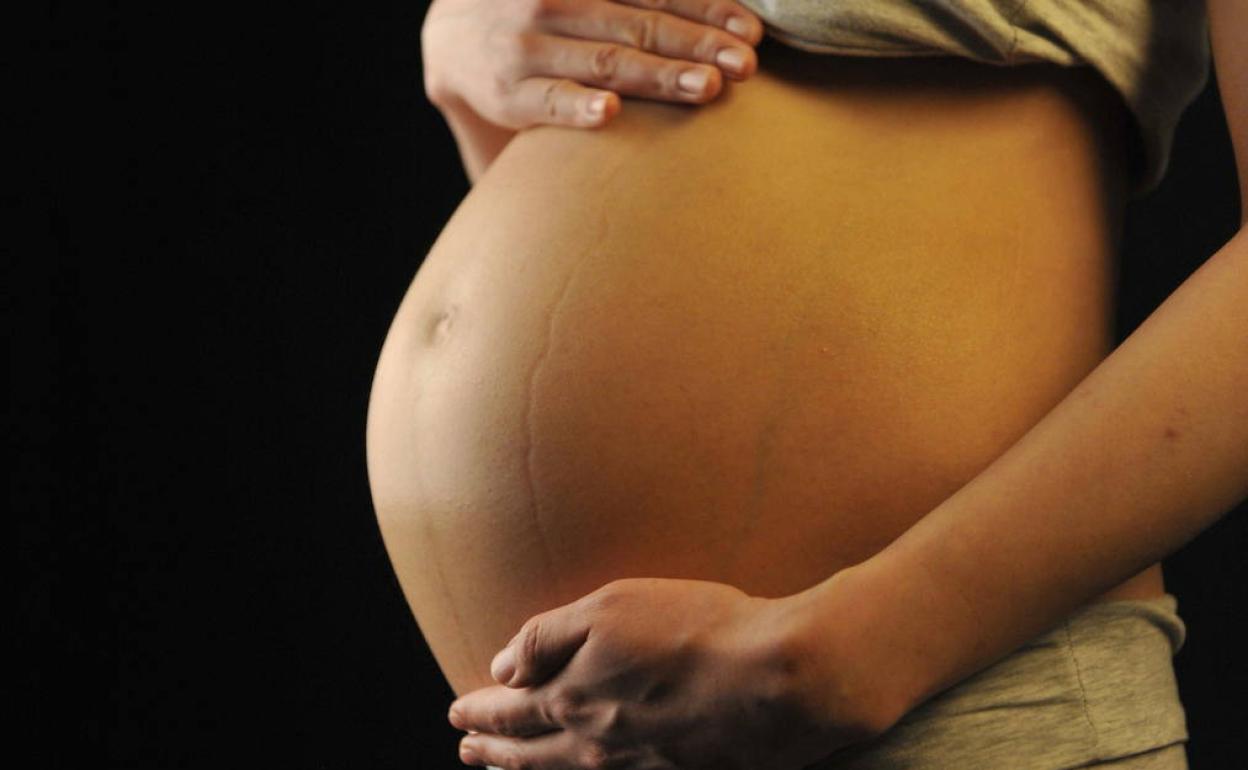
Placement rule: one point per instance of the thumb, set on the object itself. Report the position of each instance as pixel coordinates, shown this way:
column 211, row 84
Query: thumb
column 545, row 643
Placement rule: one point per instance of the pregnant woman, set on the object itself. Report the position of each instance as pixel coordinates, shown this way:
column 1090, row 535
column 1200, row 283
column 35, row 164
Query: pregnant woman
column 759, row 409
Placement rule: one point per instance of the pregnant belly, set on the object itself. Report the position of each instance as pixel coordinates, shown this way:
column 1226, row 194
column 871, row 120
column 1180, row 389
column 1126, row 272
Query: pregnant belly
column 750, row 342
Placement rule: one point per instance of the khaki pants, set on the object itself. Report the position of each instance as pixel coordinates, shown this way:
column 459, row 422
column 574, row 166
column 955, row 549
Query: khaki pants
column 1098, row 690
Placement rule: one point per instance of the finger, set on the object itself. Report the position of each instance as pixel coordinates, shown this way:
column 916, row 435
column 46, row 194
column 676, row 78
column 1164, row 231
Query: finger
column 553, row 751
column 506, row 711
column 559, row 101
column 654, row 32
column 544, row 644
column 622, row 69
column 724, row 14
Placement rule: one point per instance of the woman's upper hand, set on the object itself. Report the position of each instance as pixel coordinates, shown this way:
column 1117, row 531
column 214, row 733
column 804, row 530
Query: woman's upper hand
column 520, row 63
column 649, row 672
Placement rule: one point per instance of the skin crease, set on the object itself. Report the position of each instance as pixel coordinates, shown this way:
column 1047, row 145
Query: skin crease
column 751, row 620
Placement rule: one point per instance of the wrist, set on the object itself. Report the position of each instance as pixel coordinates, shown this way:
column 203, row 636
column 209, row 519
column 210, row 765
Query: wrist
column 479, row 141
column 845, row 675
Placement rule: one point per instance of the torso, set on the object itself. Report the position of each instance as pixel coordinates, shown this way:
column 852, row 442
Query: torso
column 750, row 342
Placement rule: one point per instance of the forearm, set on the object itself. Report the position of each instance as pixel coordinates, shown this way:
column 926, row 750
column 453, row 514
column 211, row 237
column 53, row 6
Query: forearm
column 1150, row 449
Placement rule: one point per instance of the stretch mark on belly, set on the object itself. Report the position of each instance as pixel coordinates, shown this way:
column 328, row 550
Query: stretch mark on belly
column 782, row 404
column 531, row 448
column 481, row 662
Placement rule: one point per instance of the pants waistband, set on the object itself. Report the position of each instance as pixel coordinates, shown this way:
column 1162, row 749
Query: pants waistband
column 1097, row 686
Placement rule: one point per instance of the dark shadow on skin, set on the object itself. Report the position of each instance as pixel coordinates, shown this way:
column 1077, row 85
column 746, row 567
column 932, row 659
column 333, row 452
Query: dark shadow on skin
column 819, row 69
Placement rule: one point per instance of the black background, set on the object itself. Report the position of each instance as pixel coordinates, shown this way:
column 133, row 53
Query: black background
column 239, row 199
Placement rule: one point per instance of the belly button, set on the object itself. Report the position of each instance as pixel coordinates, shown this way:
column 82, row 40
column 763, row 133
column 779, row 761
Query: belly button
column 440, row 324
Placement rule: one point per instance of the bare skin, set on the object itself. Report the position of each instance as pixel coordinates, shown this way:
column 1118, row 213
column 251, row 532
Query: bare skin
column 658, row 364
column 1134, row 461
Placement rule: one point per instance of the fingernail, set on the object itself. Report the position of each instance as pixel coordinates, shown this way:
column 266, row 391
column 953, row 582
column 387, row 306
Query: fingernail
column 737, row 26
column 692, row 81
column 597, row 105
column 503, row 668
column 731, row 59
column 467, row 755
column 452, row 714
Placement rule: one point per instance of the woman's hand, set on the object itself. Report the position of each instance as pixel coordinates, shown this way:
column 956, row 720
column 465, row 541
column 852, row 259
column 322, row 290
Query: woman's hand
column 657, row 673
column 519, row 63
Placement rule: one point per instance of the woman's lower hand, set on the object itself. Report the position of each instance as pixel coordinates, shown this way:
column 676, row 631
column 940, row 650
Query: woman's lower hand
column 649, row 673
column 520, row 63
